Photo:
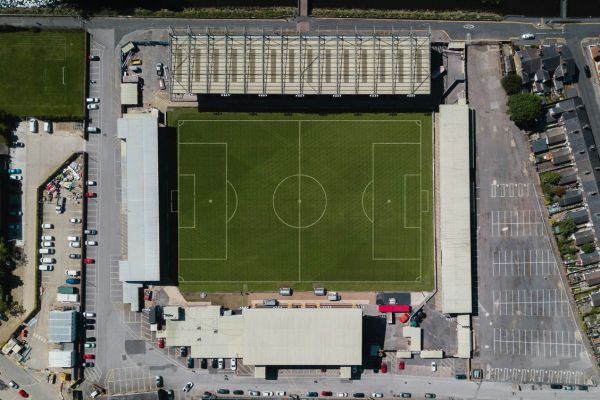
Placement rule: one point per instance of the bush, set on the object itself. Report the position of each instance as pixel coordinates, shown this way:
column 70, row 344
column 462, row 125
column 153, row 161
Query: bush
column 512, row 84
column 523, row 108
column 588, row 247
column 567, row 226
column 550, row 177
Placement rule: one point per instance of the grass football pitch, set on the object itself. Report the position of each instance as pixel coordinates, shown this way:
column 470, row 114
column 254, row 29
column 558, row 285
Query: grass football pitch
column 341, row 201
column 41, row 74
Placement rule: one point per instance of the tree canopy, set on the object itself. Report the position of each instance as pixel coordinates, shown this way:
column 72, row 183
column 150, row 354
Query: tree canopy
column 512, row 84
column 523, row 108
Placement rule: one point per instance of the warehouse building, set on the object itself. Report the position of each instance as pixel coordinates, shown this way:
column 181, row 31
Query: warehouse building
column 62, row 326
column 291, row 337
column 263, row 64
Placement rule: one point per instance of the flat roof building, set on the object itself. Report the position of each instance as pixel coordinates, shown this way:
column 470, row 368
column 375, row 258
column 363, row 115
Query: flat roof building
column 62, row 326
column 455, row 208
column 61, row 358
column 270, row 336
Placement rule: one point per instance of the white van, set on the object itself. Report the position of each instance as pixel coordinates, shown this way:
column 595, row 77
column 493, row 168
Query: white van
column 47, row 244
column 46, row 267
column 47, row 237
column 48, row 127
column 72, row 272
column 33, row 125
column 46, row 251
column 47, row 226
column 47, row 260
column 73, row 238
column 285, row 291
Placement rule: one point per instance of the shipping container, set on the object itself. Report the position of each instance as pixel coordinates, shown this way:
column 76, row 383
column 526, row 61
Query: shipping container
column 67, row 290
column 399, row 308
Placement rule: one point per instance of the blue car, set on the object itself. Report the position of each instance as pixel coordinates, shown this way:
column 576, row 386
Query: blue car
column 14, row 171
column 72, row 281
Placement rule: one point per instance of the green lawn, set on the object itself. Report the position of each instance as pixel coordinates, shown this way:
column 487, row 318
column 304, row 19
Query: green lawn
column 42, row 74
column 269, row 200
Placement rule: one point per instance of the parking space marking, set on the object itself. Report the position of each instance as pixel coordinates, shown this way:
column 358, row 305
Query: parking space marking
column 547, row 344
column 538, row 262
column 543, row 376
column 129, row 379
column 531, row 303
column 511, row 190
column 517, row 223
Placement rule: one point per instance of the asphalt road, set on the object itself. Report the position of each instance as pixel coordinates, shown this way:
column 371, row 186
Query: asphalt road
column 119, row 333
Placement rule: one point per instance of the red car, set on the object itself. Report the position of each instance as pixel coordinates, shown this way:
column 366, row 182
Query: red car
column 88, row 260
column 401, row 364
column 161, row 343
column 23, row 393
column 326, row 393
column 88, row 356
column 90, row 194
column 383, row 368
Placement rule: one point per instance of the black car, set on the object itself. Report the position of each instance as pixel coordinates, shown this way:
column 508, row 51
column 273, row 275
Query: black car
column 184, row 351
column 88, row 364
column 587, row 71
column 203, row 363
column 89, row 327
column 238, row 392
column 406, row 395
column 358, row 395
column 190, row 362
column 159, row 381
column 171, row 394
column 223, row 391
column 90, row 321
column 214, row 363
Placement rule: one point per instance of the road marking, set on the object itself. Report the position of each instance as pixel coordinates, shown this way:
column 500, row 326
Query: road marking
column 533, row 262
column 552, row 303
column 536, row 343
column 539, row 376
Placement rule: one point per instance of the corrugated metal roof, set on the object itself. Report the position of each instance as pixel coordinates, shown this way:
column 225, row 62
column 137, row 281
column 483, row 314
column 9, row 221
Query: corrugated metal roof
column 129, row 94
column 455, row 211
column 464, row 342
column 62, row 326
column 61, row 359
column 140, row 131
column 302, row 336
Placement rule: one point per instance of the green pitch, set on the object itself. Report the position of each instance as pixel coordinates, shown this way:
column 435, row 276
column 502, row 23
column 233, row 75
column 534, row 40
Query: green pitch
column 41, row 74
column 272, row 200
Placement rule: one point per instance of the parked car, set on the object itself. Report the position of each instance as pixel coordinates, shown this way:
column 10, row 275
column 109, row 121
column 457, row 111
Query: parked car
column 90, row 183
column 89, row 345
column 47, row 226
column 183, row 351
column 358, row 395
column 75, row 220
column 90, row 194
column 401, row 364
column 254, row 393
column 74, row 256
column 88, row 364
column 406, row 395
column 13, row 171
column 15, row 213
column 214, row 363
column 223, row 391
column 46, row 267
column 74, row 244
column 88, row 314
column 238, row 392
column 588, row 73
column 159, row 69
column 430, row 395
column 88, row 356
column 90, row 232
column 73, row 281
column 13, row 385
column 377, row 395
column 233, row 366
column 91, row 243
column 158, row 380
column 161, row 343
column 92, row 100
column 433, row 366
column 23, row 393
column 312, row 394
column 221, row 363
column 52, row 379
column 267, row 394
column 383, row 368
column 93, row 58
column 136, row 61
column 203, row 363
column 280, row 393
column 326, row 393
column 93, row 106
column 190, row 362
column 88, row 260
column 188, row 386
column 16, row 177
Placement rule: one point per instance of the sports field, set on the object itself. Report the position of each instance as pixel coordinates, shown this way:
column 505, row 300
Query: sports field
column 41, row 74
column 270, row 200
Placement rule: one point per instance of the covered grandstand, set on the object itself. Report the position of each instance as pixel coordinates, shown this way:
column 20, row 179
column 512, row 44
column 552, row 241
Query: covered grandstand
column 227, row 63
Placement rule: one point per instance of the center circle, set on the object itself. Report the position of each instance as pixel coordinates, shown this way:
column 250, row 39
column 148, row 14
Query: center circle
column 299, row 201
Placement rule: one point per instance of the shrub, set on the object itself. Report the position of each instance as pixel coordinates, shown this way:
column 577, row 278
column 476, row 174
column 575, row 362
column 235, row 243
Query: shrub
column 523, row 108
column 512, row 84
column 588, row 247
column 567, row 226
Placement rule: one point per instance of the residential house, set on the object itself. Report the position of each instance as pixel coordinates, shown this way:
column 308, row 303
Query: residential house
column 595, row 299
column 539, row 146
column 583, row 236
column 570, row 198
column 567, row 63
column 592, row 278
column 558, row 109
column 530, row 63
column 586, row 259
column 555, row 136
column 560, row 156
column 567, row 176
column 579, row 216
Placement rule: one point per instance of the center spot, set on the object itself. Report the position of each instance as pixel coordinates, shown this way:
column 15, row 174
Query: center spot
column 210, row 200
column 299, row 201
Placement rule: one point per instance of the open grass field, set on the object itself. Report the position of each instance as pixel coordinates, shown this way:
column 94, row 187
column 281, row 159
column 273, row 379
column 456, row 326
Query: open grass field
column 342, row 201
column 41, row 74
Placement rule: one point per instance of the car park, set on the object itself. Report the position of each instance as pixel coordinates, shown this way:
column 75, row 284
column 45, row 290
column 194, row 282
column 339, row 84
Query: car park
column 74, row 256
column 158, row 380
column 75, row 220
column 90, row 232
column 90, row 194
column 47, row 226
column 93, row 106
column 88, row 260
column 233, row 366
column 161, row 343
column 188, row 386
column 91, row 243
column 89, row 345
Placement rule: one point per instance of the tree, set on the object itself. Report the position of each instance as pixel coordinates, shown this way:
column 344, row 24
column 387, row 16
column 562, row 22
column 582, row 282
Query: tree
column 512, row 84
column 588, row 247
column 523, row 108
column 551, row 177
column 567, row 226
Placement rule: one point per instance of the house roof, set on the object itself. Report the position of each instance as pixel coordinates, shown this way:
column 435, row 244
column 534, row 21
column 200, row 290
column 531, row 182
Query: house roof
column 566, row 105
column 576, row 120
column 567, row 176
column 567, row 60
column 571, row 197
column 582, row 237
column 539, row 146
column 561, row 156
column 589, row 258
column 593, row 278
column 579, row 216
column 595, row 299
column 550, row 57
column 530, row 62
column 555, row 136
